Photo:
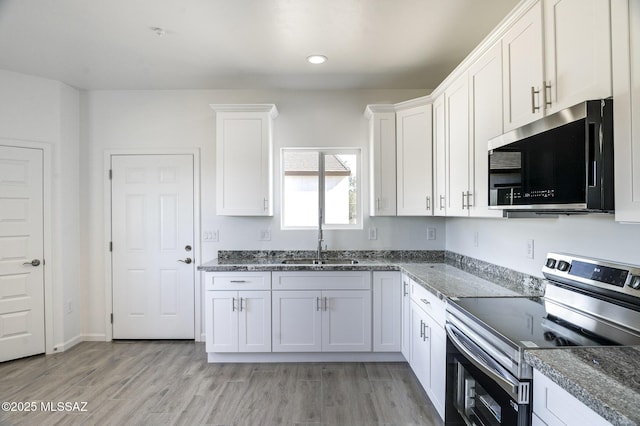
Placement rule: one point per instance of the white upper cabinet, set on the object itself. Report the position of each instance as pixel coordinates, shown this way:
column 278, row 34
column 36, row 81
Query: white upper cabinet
column 626, row 107
column 244, row 159
column 485, row 122
column 382, row 167
column 577, row 52
column 457, row 136
column 414, row 161
column 439, row 158
column 523, row 70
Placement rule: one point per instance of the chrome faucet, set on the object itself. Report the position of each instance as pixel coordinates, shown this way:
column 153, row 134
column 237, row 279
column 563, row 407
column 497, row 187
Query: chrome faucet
column 320, row 234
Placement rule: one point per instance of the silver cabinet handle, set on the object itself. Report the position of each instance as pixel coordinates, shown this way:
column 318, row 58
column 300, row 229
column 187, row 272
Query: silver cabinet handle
column 469, row 205
column 425, row 336
column 534, row 92
column 428, row 202
column 245, row 306
column 547, row 99
column 378, row 203
column 421, row 329
column 425, row 301
column 188, row 260
column 34, row 262
column 441, row 201
column 233, row 304
column 318, row 304
column 238, row 281
column 265, row 203
column 404, row 288
column 326, row 305
column 463, row 206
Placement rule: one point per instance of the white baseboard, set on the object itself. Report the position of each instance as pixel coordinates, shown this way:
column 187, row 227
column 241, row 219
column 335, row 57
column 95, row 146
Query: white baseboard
column 61, row 347
column 306, row 357
column 94, row 337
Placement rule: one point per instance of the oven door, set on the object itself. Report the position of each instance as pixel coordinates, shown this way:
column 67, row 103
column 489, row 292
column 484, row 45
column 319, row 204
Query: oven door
column 479, row 390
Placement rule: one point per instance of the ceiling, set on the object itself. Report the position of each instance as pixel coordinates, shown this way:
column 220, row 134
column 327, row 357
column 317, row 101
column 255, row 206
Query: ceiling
column 243, row 44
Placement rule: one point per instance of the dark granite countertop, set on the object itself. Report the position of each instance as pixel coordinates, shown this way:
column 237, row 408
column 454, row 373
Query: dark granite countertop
column 605, row 379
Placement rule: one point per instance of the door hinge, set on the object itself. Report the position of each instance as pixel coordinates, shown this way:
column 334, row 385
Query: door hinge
column 111, row 318
column 110, row 174
column 110, row 245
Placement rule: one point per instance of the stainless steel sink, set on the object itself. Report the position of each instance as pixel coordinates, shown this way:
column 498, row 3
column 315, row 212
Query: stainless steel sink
column 314, row 261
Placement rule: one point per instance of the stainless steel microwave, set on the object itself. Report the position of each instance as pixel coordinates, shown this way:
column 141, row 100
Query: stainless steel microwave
column 561, row 163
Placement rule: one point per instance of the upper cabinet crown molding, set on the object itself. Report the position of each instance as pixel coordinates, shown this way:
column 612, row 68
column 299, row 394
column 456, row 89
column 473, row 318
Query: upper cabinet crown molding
column 268, row 108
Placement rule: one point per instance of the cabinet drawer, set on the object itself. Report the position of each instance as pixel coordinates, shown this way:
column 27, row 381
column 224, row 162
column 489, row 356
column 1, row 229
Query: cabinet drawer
column 322, row 280
column 237, row 281
column 428, row 301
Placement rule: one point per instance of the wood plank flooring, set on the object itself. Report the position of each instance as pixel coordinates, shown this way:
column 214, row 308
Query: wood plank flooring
column 157, row 383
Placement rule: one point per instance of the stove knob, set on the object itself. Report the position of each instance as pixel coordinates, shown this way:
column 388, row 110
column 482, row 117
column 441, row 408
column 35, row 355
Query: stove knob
column 551, row 263
column 635, row 282
column 563, row 266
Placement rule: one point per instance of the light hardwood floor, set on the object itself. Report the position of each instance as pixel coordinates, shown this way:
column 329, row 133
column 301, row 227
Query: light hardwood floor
column 171, row 383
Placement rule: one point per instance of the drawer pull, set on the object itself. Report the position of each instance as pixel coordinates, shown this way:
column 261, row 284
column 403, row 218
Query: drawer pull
column 404, row 288
column 425, row 301
column 238, row 281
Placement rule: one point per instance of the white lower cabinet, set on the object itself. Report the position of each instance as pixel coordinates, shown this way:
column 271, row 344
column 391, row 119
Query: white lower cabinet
column 238, row 311
column 387, row 311
column 428, row 344
column 554, row 406
column 321, row 311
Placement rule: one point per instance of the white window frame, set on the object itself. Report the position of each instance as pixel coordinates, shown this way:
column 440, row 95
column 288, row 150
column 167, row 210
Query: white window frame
column 321, row 176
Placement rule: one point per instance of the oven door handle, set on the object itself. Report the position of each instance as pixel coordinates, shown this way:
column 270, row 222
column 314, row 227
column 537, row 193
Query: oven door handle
column 518, row 390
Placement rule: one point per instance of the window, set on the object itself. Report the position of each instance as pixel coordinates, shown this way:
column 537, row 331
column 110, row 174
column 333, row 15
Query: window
column 312, row 178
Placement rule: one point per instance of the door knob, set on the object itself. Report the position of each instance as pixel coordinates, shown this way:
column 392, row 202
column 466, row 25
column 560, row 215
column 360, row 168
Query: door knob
column 187, row 260
column 34, row 262
column 187, row 248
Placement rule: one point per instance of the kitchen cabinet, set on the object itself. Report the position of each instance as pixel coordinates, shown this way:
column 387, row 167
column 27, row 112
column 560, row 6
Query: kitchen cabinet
column 244, row 159
column 625, row 15
column 406, row 318
column 238, row 312
column 439, row 158
column 457, row 137
column 523, row 70
column 414, row 160
column 553, row 406
column 315, row 311
column 428, row 344
column 485, row 122
column 382, row 165
column 577, row 52
column 387, row 311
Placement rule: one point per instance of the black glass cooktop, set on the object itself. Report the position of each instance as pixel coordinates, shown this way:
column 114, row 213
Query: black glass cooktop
column 525, row 322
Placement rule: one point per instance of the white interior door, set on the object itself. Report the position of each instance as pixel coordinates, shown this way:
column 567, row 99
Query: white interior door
column 152, row 234
column 21, row 253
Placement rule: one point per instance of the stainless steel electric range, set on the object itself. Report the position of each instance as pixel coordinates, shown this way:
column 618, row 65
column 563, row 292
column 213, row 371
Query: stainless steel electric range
column 587, row 302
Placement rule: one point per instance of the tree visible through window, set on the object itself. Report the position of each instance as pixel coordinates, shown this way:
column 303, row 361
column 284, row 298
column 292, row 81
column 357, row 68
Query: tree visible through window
column 314, row 178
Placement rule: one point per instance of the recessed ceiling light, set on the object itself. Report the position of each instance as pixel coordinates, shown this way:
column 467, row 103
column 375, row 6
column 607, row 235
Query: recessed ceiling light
column 316, row 59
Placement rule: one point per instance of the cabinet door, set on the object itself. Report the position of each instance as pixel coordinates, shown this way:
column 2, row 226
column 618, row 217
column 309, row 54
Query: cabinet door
column 625, row 16
column 221, row 322
column 414, row 161
column 346, row 321
column 244, row 183
column 254, row 321
column 485, row 121
column 387, row 311
column 522, row 70
column 457, row 122
column 297, row 321
column 406, row 319
column 577, row 52
column 382, row 148
column 438, row 366
column 439, row 158
column 420, row 357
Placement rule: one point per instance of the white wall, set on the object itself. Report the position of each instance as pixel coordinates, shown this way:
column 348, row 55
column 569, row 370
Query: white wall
column 175, row 119
column 42, row 111
column 503, row 241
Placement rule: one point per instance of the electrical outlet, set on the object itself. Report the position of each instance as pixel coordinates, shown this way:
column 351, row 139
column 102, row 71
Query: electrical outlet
column 476, row 239
column 265, row 235
column 529, row 252
column 431, row 233
column 373, row 233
